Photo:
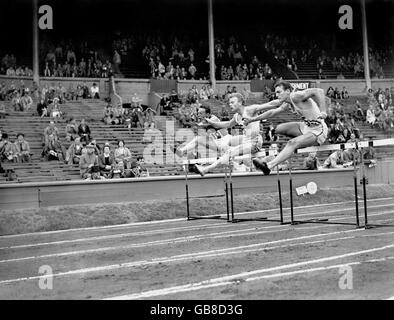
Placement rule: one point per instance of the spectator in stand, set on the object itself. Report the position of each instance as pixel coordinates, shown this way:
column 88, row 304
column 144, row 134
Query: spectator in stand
column 42, row 109
column 138, row 168
column 344, row 93
column 89, row 165
column 53, row 150
column 106, row 162
column 16, row 101
column 22, row 149
column 116, row 62
column 311, row 162
column 192, row 70
column 72, row 129
column 336, row 159
column 371, row 119
column 7, row 149
column 203, row 93
column 50, row 130
column 84, row 131
column 123, row 155
column 2, row 110
column 370, row 156
column 74, row 152
column 358, row 113
column 94, row 91
column 210, row 92
column 3, row 91
column 186, row 115
column 108, row 114
column 337, row 94
column 26, row 101
column 163, row 104
column 149, row 117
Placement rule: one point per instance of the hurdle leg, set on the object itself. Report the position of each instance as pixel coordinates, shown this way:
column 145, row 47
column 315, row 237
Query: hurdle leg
column 226, row 191
column 364, row 192
column 231, row 190
column 291, row 195
column 280, row 196
column 356, row 191
column 186, row 169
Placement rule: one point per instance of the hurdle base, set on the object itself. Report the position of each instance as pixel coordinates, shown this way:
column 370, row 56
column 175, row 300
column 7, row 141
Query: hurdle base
column 249, row 219
column 309, row 221
column 324, row 221
column 206, row 217
column 372, row 226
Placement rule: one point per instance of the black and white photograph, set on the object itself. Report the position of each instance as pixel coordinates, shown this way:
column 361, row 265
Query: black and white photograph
column 201, row 156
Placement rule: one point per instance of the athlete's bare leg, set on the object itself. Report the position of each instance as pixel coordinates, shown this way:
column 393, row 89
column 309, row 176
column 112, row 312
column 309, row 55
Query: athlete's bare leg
column 239, row 150
column 199, row 141
column 305, row 140
column 291, row 129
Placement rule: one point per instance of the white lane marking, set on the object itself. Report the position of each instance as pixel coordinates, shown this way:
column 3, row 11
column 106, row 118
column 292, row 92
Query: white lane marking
column 157, row 242
column 132, row 224
column 228, row 280
column 149, row 232
column 161, row 292
column 173, row 259
column 115, row 248
column 206, row 254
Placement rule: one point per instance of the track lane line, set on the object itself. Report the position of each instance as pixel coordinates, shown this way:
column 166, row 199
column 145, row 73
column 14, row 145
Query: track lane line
column 133, row 224
column 159, row 231
column 228, row 280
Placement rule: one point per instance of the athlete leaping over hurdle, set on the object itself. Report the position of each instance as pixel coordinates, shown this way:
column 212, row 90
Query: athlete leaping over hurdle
column 248, row 143
column 310, row 104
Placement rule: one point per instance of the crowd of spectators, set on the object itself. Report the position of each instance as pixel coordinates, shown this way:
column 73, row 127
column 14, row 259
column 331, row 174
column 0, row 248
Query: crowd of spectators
column 65, row 59
column 132, row 114
column 9, row 67
column 380, row 112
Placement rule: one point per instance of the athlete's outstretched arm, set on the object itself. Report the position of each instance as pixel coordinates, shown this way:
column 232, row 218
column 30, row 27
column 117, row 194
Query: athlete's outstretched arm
column 316, row 94
column 222, row 124
column 265, row 106
column 266, row 115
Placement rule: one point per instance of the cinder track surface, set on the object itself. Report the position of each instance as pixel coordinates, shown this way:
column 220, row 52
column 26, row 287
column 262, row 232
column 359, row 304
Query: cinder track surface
column 209, row 259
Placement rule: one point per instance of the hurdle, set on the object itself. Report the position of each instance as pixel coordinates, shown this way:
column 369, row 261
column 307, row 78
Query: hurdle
column 196, row 217
column 358, row 147
column 229, row 187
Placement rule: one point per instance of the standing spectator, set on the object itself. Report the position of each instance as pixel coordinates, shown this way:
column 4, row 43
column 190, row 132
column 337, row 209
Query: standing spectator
column 192, row 70
column 22, row 149
column 117, row 61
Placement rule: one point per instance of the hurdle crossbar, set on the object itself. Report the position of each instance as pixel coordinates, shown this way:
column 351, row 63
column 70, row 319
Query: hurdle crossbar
column 348, row 145
column 262, row 153
column 359, row 147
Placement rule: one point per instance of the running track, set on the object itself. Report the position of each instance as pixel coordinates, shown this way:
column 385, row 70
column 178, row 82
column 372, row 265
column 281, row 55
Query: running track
column 208, row 259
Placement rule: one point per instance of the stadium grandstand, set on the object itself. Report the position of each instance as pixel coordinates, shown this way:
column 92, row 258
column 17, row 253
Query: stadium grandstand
column 95, row 109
